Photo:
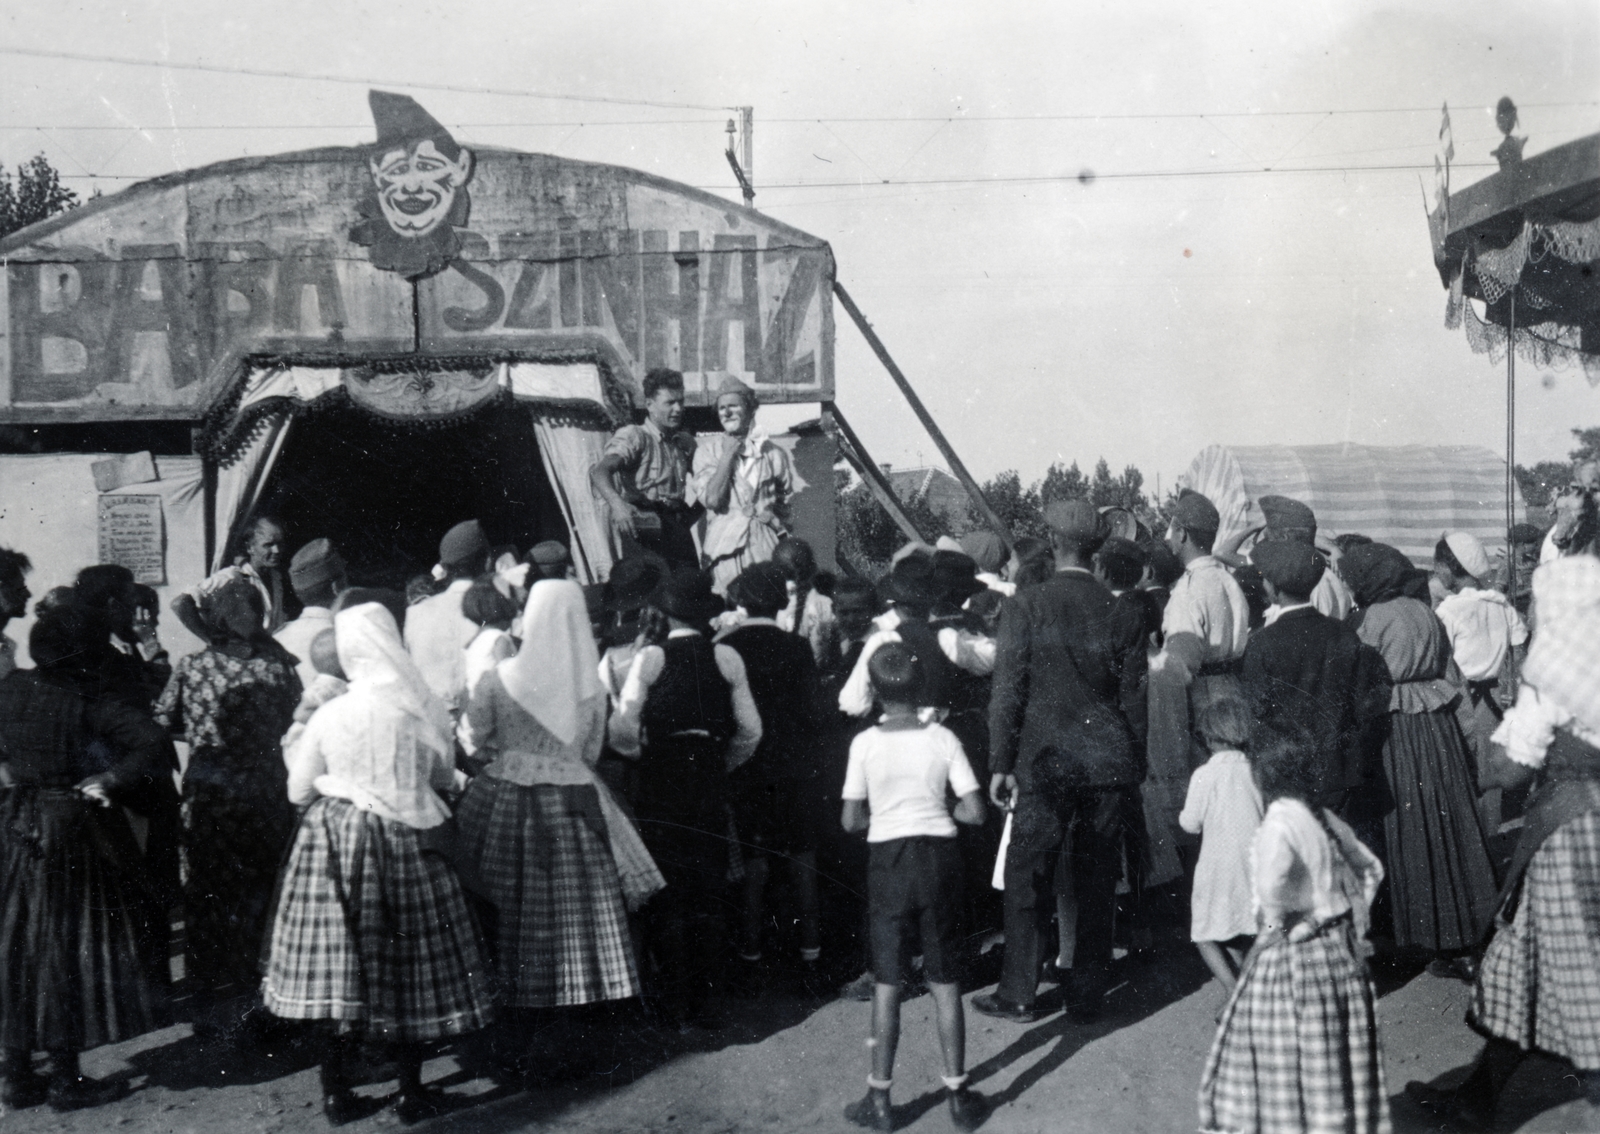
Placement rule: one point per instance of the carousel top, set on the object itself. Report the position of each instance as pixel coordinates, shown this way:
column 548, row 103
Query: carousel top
column 157, row 301
column 1526, row 242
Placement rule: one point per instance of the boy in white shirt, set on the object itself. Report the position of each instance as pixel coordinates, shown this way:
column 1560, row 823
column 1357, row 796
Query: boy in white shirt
column 898, row 774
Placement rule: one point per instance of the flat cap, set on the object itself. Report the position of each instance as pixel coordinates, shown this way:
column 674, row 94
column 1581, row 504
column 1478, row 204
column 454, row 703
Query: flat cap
column 1074, row 519
column 316, row 563
column 1469, row 553
column 988, row 550
column 1195, row 512
column 550, row 553
column 1291, row 566
column 1282, row 512
column 463, row 544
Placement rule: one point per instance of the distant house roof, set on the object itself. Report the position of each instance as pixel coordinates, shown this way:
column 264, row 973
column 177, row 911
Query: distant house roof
column 942, row 491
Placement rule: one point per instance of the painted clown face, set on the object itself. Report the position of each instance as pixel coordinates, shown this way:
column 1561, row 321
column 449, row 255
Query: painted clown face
column 417, row 186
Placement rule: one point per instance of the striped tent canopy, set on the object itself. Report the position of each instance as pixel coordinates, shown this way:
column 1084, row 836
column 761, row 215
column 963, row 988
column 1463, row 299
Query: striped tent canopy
column 1404, row 495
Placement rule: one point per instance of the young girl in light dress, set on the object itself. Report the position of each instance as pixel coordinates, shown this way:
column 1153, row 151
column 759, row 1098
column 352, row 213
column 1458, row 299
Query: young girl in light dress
column 1298, row 1047
column 1224, row 808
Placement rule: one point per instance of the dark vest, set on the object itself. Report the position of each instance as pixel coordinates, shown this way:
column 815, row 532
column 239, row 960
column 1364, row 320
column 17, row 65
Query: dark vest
column 691, row 694
column 923, row 641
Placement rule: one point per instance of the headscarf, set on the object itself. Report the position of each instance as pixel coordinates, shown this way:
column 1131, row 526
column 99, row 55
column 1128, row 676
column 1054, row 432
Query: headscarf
column 557, row 668
column 1564, row 660
column 216, row 606
column 384, row 681
column 1376, row 573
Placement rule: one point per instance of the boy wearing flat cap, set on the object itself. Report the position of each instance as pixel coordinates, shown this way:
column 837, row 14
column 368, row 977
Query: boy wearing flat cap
column 1204, row 628
column 1304, row 671
column 437, row 633
column 317, row 574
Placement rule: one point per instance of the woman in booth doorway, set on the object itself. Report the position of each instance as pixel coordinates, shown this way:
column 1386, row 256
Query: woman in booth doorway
column 232, row 702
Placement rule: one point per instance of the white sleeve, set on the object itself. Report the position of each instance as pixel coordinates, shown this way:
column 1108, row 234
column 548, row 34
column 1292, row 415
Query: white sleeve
column 962, row 780
column 971, row 652
column 306, row 760
column 855, row 775
column 855, row 699
column 643, row 673
column 748, row 733
column 1528, row 727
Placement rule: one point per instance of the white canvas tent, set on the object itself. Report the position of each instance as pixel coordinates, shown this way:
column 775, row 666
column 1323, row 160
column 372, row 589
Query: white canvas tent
column 1404, row 495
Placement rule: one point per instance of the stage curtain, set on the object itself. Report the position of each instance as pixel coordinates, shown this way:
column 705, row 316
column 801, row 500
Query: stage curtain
column 240, row 483
column 569, row 451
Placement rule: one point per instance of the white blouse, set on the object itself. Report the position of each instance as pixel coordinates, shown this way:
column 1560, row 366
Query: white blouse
column 1301, row 880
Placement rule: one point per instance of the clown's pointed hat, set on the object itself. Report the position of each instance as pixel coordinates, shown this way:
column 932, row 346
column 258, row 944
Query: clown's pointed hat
column 401, row 120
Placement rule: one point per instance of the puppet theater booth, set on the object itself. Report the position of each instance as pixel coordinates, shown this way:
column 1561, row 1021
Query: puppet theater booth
column 377, row 341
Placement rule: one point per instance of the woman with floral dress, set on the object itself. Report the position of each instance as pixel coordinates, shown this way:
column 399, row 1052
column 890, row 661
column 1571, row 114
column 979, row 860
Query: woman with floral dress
column 232, row 702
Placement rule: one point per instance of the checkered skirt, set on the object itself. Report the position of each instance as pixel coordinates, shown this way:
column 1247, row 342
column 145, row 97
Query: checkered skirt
column 373, row 933
column 545, row 862
column 1298, row 1048
column 1539, row 982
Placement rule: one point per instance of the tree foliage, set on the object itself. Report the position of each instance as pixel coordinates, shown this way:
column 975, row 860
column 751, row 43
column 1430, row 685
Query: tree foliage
column 1540, row 482
column 35, row 194
column 867, row 536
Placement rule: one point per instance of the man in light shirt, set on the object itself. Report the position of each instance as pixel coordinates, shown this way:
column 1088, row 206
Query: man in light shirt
column 317, row 574
column 437, row 633
column 1204, row 628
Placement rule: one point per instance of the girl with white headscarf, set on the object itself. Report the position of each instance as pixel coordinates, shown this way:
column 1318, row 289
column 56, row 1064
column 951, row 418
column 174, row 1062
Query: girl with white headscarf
column 557, row 857
column 372, row 931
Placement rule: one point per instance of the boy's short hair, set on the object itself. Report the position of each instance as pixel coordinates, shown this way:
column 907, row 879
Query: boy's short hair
column 661, row 378
column 896, row 674
column 325, row 654
column 1225, row 723
column 1285, row 762
column 145, row 598
column 484, row 604
column 1122, row 562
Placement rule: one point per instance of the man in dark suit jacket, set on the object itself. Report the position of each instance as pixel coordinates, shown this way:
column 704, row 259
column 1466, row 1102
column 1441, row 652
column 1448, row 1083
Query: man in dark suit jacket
column 1304, row 671
column 1068, row 663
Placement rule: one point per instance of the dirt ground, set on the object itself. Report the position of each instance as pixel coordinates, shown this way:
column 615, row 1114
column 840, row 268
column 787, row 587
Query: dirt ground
column 785, row 1064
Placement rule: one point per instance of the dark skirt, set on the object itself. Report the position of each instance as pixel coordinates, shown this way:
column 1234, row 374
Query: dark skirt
column 1539, row 983
column 543, row 858
column 1441, row 880
column 71, row 925
column 373, row 932
column 234, row 840
column 1298, row 1048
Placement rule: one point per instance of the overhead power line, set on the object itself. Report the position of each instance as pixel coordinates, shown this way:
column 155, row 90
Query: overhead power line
column 1087, row 177
column 124, row 61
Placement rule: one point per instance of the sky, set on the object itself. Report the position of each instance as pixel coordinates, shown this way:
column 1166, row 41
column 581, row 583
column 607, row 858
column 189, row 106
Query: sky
column 1127, row 230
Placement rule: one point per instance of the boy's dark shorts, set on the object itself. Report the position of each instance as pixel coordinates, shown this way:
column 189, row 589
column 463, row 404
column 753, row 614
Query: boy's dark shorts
column 914, row 884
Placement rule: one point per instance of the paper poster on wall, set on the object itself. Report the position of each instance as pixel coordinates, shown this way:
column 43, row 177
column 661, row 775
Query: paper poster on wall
column 131, row 535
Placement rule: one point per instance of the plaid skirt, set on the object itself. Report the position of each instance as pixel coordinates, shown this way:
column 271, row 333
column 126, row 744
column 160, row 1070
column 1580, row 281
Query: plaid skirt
column 372, row 932
column 1539, row 982
column 72, row 917
column 544, row 859
column 1298, row 1048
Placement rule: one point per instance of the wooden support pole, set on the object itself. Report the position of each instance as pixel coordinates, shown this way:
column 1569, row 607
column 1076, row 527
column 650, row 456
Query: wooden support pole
column 876, row 482
column 960, row 470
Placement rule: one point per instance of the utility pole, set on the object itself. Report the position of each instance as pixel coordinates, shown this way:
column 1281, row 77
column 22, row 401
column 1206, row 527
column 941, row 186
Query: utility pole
column 743, row 171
